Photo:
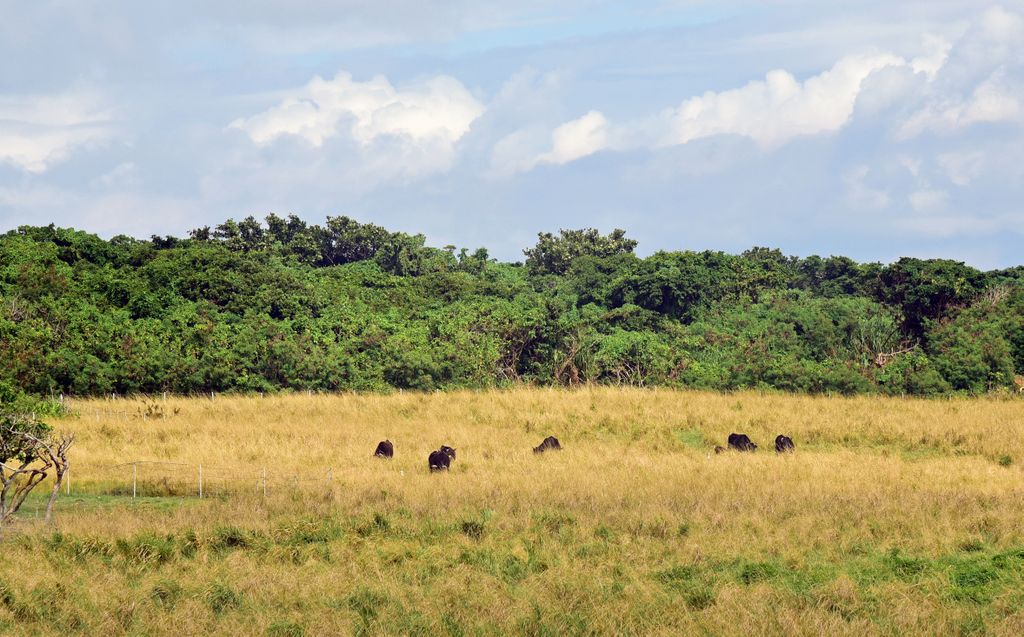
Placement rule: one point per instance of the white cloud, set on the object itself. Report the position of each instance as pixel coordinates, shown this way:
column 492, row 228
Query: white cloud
column 994, row 100
column 103, row 213
column 934, row 59
column 915, row 94
column 571, row 140
column 771, row 112
column 928, row 199
column 944, row 227
column 962, row 167
column 124, row 176
column 425, row 118
column 38, row 131
column 860, row 194
column 779, row 108
column 516, row 152
column 577, row 138
column 978, row 83
column 1002, row 25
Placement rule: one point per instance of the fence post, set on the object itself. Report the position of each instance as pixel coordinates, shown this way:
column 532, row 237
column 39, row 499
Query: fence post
column 200, row 482
column 135, row 479
column 264, row 482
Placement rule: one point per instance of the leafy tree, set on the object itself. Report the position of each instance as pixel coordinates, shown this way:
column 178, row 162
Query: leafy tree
column 928, row 290
column 282, row 304
column 555, row 254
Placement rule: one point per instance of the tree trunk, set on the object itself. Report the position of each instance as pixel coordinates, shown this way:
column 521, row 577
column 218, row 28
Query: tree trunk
column 55, row 492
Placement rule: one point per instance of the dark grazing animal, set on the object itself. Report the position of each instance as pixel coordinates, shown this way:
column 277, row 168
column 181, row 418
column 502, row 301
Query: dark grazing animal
column 441, row 459
column 719, row 449
column 384, row 449
column 784, row 444
column 550, row 444
column 741, row 442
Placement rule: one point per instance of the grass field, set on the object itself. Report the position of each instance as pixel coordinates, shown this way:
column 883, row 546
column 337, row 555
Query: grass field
column 893, row 517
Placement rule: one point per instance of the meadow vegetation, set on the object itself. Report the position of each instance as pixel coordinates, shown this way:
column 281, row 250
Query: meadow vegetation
column 894, row 516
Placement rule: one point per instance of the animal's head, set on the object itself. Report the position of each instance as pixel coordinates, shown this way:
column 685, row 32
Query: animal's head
column 448, row 451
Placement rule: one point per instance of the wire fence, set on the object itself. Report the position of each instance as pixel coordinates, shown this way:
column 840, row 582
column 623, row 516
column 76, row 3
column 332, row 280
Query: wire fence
column 148, row 478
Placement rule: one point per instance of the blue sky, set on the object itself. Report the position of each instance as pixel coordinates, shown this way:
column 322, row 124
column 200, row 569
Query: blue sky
column 865, row 128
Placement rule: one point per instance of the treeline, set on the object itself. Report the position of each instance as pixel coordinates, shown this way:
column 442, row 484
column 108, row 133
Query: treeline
column 261, row 306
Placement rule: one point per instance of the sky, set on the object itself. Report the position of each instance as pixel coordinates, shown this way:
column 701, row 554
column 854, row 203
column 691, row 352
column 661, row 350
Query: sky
column 866, row 128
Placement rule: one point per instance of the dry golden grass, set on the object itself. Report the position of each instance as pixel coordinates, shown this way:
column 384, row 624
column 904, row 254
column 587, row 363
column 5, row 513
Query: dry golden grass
column 894, row 516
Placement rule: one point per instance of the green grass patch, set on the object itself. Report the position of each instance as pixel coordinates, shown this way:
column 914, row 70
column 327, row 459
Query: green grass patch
column 692, row 438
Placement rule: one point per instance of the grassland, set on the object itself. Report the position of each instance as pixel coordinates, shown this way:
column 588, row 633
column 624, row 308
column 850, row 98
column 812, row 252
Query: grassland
column 893, row 517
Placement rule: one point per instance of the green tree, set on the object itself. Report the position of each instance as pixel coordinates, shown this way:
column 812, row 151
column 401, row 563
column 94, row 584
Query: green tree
column 555, row 254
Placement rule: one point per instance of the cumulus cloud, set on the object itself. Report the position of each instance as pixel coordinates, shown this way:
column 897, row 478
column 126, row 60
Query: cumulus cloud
column 930, row 62
column 771, row 112
column 949, row 86
column 994, row 100
column 38, row 131
column 774, row 110
column 578, row 138
column 961, row 168
column 518, row 151
column 430, row 116
column 978, row 83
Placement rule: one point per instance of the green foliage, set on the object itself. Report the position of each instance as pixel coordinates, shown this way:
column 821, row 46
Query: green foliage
column 15, row 447
column 928, row 291
column 254, row 306
column 555, row 255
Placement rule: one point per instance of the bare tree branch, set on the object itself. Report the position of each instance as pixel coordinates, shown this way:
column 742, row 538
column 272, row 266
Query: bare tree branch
column 37, row 452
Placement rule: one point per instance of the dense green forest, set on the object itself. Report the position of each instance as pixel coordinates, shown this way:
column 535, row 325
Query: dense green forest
column 282, row 304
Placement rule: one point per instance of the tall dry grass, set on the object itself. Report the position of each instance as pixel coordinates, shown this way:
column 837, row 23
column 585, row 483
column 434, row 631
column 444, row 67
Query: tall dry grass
column 894, row 516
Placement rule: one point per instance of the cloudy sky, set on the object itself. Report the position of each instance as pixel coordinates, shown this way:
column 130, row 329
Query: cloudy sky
column 868, row 128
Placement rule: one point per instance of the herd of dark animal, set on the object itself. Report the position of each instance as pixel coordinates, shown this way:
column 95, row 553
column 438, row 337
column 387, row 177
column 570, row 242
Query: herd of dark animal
column 441, row 459
column 742, row 442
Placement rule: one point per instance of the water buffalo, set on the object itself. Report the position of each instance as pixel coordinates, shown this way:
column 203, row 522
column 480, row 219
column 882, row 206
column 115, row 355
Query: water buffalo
column 550, row 443
column 384, row 449
column 741, row 442
column 784, row 444
column 441, row 459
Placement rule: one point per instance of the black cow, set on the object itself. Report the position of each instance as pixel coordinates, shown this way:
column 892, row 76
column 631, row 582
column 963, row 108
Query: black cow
column 741, row 442
column 441, row 459
column 384, row 449
column 550, row 444
column 784, row 444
